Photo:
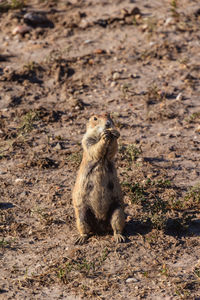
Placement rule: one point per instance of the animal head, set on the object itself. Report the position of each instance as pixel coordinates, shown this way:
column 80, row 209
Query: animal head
column 99, row 123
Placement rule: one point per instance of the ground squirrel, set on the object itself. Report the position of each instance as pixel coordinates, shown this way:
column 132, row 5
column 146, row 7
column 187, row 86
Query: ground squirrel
column 97, row 196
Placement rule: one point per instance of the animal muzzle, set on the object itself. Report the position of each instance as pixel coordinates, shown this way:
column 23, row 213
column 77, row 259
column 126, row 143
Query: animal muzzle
column 108, row 124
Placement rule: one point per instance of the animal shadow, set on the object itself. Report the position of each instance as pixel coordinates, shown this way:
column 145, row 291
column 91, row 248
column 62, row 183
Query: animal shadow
column 134, row 227
column 175, row 227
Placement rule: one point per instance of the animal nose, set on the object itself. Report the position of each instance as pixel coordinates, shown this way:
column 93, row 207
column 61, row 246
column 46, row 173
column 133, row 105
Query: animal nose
column 108, row 123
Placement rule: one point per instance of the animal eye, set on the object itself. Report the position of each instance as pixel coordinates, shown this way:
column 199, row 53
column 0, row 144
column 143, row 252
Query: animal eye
column 95, row 119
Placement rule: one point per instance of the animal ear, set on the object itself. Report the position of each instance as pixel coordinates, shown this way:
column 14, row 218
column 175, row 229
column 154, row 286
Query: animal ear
column 90, row 117
column 107, row 115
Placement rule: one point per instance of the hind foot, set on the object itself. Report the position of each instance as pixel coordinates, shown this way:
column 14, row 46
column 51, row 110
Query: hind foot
column 119, row 238
column 82, row 239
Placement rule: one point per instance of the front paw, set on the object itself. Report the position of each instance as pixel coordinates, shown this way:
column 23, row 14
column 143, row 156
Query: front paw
column 107, row 135
column 115, row 133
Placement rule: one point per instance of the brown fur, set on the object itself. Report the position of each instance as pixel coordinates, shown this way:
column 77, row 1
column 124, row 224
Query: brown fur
column 97, row 196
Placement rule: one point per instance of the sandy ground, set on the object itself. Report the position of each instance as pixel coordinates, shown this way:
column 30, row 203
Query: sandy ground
column 64, row 61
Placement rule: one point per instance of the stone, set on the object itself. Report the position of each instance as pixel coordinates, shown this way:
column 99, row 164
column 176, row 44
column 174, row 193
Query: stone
column 116, row 76
column 19, row 181
column 21, row 29
column 169, row 21
column 197, row 129
column 131, row 279
column 33, row 18
column 179, row 97
column 113, row 83
column 58, row 146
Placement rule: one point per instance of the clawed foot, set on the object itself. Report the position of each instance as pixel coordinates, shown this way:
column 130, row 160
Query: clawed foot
column 106, row 135
column 81, row 240
column 109, row 134
column 119, row 238
column 115, row 133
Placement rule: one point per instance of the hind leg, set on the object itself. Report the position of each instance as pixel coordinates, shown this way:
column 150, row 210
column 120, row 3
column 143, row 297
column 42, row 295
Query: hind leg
column 82, row 225
column 117, row 223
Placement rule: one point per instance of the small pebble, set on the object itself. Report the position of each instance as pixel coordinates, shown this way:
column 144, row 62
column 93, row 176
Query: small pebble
column 88, row 41
column 131, row 280
column 169, row 21
column 21, row 29
column 113, row 83
column 150, row 175
column 179, row 97
column 33, row 18
column 99, row 51
column 152, row 44
column 58, row 146
column 91, row 61
column 197, row 129
column 140, row 159
column 19, row 181
column 84, row 24
column 144, row 27
column 24, row 194
column 116, row 76
column 172, row 155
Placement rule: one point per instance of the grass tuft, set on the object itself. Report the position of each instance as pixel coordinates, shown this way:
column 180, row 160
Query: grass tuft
column 11, row 4
column 130, row 152
column 192, row 197
column 27, row 122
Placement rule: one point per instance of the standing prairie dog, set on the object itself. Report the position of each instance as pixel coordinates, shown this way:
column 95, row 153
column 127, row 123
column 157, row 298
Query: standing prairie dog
column 97, row 196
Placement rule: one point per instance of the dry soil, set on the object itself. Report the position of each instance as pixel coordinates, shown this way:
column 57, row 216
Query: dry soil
column 140, row 61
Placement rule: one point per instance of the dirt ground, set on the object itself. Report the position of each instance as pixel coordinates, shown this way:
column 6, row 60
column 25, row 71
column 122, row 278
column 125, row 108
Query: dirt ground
column 64, row 61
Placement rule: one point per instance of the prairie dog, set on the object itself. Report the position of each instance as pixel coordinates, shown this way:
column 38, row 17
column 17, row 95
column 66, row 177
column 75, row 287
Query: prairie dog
column 97, row 197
